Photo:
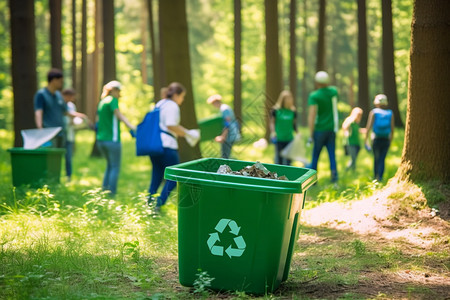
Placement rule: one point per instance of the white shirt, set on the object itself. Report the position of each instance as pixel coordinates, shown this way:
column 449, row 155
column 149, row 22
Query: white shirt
column 169, row 115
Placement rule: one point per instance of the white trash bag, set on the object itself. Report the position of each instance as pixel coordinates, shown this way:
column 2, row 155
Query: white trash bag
column 295, row 150
column 33, row 138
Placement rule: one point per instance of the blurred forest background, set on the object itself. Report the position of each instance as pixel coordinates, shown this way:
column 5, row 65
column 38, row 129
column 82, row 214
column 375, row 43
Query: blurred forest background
column 212, row 38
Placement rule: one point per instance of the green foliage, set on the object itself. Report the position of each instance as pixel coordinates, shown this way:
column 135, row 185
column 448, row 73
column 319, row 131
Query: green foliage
column 202, row 282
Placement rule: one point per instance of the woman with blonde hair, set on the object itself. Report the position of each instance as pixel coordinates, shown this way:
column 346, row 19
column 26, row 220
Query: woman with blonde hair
column 351, row 133
column 108, row 133
column 283, row 119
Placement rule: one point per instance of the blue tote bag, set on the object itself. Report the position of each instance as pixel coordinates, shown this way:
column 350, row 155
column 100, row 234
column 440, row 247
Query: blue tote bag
column 148, row 135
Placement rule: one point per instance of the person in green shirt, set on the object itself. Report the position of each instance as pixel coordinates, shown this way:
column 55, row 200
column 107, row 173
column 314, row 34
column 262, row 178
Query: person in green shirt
column 323, row 121
column 351, row 133
column 283, row 124
column 108, row 133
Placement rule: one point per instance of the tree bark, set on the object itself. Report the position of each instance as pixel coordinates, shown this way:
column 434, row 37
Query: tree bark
column 55, row 33
column 426, row 154
column 293, row 51
column 23, row 65
column 390, row 87
column 175, row 44
column 363, row 78
column 304, row 119
column 274, row 80
column 144, row 24
column 155, row 52
column 74, row 44
column 320, row 64
column 84, row 63
column 237, row 61
column 109, row 45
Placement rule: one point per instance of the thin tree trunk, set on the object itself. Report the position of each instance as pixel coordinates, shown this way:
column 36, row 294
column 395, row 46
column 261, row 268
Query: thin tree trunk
column 293, row 51
column 320, row 64
column 390, row 86
column 144, row 24
column 304, row 119
column 23, row 65
column 109, row 49
column 84, row 64
column 237, row 61
column 55, row 33
column 426, row 154
column 274, row 79
column 363, row 78
column 74, row 44
column 155, row 52
column 174, row 42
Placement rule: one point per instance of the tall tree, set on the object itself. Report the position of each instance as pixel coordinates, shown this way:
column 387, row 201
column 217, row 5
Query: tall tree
column 390, row 87
column 237, row 60
column 320, row 63
column 74, row 44
column 109, row 48
column 155, row 51
column 304, row 118
column 55, row 33
column 84, row 62
column 293, row 50
column 426, row 154
column 177, row 66
column 23, row 65
column 144, row 24
column 363, row 77
column 274, row 80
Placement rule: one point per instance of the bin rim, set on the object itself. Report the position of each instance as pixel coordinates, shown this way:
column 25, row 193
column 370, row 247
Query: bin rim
column 44, row 150
column 181, row 173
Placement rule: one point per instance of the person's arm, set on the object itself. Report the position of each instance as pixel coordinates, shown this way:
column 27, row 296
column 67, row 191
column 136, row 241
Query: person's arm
column 74, row 114
column 312, row 112
column 178, row 129
column 368, row 127
column 122, row 118
column 38, row 118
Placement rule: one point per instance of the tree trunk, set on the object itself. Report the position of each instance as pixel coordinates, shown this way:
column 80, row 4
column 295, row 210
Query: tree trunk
column 109, row 48
column 390, row 87
column 55, row 33
column 293, row 51
column 155, row 52
column 426, row 154
column 320, row 64
column 274, row 80
column 23, row 65
column 144, row 24
column 237, row 61
column 363, row 78
column 84, row 63
column 74, row 44
column 304, row 118
column 174, row 42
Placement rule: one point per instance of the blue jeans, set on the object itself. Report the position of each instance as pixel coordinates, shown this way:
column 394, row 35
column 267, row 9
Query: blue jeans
column 160, row 162
column 69, row 154
column 380, row 148
column 113, row 152
column 279, row 146
column 325, row 139
column 353, row 152
column 226, row 149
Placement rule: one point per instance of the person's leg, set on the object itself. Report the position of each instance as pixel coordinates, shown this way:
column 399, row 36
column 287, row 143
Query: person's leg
column 115, row 159
column 278, row 148
column 331, row 148
column 157, row 173
column 376, row 147
column 226, row 149
column 385, row 143
column 103, row 149
column 170, row 158
column 319, row 142
column 68, row 157
column 283, row 160
column 353, row 152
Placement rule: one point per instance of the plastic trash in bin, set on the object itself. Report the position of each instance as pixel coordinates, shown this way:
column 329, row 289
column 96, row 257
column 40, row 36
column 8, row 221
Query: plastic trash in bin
column 34, row 138
column 241, row 230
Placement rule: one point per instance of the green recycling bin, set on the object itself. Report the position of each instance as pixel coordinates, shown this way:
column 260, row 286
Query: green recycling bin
column 241, row 230
column 36, row 167
column 210, row 127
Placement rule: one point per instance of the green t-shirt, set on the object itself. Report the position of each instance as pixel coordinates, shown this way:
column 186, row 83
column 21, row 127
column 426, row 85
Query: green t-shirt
column 108, row 128
column 327, row 114
column 353, row 138
column 284, row 124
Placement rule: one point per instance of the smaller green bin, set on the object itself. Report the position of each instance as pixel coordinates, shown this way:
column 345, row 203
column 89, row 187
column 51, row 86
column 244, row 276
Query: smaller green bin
column 210, row 127
column 240, row 230
column 36, row 167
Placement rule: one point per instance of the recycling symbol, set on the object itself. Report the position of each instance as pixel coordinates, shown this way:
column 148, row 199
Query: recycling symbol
column 238, row 240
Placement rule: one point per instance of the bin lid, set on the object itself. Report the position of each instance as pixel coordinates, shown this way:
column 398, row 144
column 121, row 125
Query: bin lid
column 45, row 150
column 204, row 172
column 33, row 138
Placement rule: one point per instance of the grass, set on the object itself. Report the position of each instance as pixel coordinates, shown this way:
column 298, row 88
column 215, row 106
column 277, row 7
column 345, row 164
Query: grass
column 70, row 241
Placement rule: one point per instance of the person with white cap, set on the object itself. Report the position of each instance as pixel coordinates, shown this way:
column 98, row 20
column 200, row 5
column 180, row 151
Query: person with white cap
column 381, row 122
column 108, row 133
column 323, row 121
column 230, row 133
